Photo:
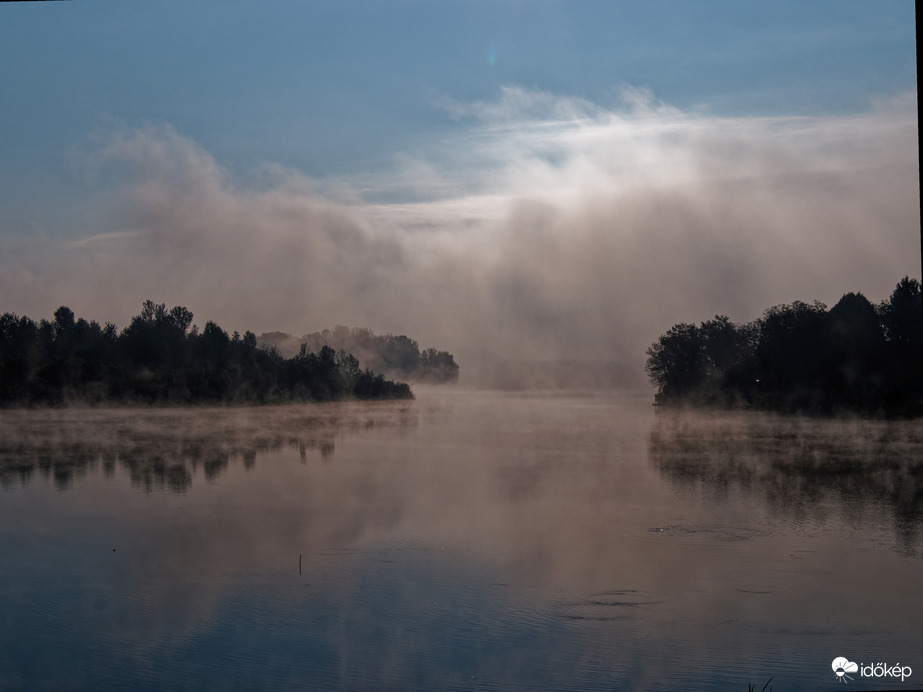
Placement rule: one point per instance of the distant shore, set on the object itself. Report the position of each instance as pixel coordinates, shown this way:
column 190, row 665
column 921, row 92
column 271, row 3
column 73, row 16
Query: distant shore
column 856, row 358
column 162, row 359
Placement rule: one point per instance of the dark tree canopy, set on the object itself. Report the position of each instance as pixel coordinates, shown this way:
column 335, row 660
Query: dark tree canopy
column 677, row 362
column 159, row 359
column 801, row 357
column 399, row 356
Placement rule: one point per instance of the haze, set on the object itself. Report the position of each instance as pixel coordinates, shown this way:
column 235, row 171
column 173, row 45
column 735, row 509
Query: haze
column 492, row 194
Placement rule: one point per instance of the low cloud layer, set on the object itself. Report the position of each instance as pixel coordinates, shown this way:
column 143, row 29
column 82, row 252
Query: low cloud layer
column 546, row 228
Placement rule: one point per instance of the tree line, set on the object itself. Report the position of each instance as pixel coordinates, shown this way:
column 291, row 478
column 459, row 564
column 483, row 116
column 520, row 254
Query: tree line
column 162, row 358
column 801, row 357
column 399, row 356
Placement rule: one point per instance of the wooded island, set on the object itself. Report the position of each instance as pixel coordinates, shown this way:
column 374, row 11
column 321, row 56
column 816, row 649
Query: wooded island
column 161, row 359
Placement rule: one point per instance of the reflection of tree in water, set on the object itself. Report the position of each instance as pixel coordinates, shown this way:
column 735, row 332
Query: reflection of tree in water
column 801, row 467
column 166, row 449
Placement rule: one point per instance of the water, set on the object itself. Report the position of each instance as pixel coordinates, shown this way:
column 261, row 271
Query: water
column 462, row 541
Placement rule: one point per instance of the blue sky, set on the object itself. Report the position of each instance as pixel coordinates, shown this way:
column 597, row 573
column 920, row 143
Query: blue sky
column 335, row 88
column 368, row 109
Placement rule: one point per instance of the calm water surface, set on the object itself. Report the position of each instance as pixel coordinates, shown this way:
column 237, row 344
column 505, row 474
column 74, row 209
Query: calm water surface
column 462, row 541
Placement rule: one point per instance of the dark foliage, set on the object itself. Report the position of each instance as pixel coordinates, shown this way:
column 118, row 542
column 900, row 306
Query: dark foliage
column 399, row 356
column 854, row 357
column 158, row 359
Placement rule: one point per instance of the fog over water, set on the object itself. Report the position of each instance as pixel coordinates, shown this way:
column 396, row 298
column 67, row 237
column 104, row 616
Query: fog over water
column 464, row 540
column 539, row 189
column 548, row 228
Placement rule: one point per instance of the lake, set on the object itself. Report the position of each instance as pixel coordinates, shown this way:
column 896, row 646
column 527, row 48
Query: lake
column 466, row 540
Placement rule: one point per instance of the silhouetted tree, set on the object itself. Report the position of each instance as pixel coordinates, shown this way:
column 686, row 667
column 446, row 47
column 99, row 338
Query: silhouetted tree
column 801, row 357
column 677, row 362
column 397, row 355
column 790, row 352
column 903, row 326
column 901, row 315
column 437, row 366
column 855, row 355
column 158, row 359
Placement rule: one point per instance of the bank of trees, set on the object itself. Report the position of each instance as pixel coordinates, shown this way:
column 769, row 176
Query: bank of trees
column 399, row 356
column 160, row 358
column 855, row 356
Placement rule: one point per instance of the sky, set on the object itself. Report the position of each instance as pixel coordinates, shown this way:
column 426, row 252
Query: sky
column 507, row 179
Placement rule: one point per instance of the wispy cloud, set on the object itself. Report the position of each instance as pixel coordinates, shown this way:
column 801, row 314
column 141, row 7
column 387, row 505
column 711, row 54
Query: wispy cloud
column 109, row 239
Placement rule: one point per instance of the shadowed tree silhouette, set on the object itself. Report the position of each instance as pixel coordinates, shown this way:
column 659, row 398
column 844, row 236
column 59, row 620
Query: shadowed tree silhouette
column 399, row 356
column 790, row 352
column 855, row 353
column 677, row 362
column 903, row 326
column 158, row 359
column 801, row 357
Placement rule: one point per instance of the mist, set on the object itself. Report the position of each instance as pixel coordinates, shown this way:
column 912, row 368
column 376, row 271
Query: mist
column 546, row 228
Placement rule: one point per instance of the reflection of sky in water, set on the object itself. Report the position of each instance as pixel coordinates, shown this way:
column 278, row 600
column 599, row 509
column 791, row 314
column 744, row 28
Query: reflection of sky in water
column 463, row 541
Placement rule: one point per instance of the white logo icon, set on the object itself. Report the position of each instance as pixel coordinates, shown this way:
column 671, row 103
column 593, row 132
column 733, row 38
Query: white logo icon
column 841, row 666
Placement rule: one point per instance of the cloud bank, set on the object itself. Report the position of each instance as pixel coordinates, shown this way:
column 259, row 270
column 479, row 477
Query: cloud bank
column 546, row 228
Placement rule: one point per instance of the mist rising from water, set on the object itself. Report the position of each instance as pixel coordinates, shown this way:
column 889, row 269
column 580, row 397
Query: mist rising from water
column 548, row 228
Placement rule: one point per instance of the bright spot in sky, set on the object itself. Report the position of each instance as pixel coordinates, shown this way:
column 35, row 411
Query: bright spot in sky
column 492, row 57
